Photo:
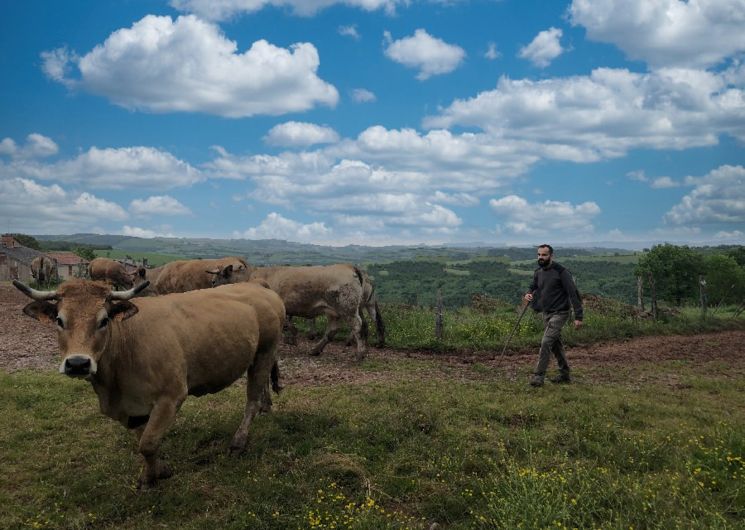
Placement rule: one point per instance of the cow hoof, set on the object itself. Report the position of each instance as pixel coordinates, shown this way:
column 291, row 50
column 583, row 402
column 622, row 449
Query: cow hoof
column 147, row 481
column 237, row 445
column 236, row 450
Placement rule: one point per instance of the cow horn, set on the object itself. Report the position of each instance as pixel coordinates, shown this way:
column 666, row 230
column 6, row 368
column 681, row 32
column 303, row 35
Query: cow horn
column 126, row 295
column 33, row 293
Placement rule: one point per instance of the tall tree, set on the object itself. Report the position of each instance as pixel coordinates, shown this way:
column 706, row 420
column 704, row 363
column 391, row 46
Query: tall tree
column 738, row 254
column 725, row 279
column 675, row 269
column 27, row 241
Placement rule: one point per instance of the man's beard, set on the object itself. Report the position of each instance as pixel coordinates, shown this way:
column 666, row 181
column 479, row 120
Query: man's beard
column 542, row 262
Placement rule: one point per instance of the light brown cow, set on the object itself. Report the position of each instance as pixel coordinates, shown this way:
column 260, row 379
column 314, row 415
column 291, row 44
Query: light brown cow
column 370, row 305
column 144, row 357
column 308, row 292
column 188, row 275
column 111, row 271
column 44, row 270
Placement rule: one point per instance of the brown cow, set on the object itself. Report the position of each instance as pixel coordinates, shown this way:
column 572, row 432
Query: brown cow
column 144, row 357
column 44, row 270
column 308, row 292
column 143, row 275
column 188, row 275
column 111, row 271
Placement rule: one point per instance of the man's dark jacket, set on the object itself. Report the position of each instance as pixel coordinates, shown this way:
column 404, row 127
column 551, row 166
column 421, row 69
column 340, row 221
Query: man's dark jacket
column 553, row 290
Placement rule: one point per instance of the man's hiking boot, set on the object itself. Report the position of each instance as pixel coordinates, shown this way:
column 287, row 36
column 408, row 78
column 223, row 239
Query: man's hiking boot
column 562, row 378
column 536, row 380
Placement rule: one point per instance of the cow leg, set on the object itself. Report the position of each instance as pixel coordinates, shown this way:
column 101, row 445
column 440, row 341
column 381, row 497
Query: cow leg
column 373, row 312
column 161, row 418
column 257, row 383
column 365, row 331
column 312, row 329
column 331, row 328
column 356, row 325
column 289, row 326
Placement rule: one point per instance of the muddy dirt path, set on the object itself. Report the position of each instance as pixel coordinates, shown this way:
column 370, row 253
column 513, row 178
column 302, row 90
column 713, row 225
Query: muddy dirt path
column 27, row 344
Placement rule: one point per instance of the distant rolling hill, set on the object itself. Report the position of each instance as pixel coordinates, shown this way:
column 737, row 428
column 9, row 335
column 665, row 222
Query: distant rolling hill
column 275, row 251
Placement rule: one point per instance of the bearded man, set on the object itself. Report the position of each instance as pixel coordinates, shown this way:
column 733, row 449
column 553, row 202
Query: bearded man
column 552, row 292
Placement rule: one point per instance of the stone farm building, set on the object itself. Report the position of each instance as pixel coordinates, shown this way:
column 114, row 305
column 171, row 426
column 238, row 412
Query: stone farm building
column 15, row 261
column 69, row 265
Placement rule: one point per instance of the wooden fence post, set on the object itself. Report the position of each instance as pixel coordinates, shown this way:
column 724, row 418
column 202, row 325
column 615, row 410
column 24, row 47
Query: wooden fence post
column 702, row 294
column 438, row 316
column 640, row 293
column 650, row 277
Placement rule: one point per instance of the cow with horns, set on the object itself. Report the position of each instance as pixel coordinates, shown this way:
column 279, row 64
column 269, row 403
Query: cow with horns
column 144, row 357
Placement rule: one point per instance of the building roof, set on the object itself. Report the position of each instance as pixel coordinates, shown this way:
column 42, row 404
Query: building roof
column 66, row 258
column 23, row 254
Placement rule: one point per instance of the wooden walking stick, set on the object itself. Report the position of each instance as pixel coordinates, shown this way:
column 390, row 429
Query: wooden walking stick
column 509, row 337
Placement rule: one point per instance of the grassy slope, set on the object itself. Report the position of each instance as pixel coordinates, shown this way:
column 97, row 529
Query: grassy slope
column 467, row 452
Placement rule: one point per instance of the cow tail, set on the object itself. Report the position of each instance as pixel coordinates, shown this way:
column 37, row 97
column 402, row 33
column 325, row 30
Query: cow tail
column 379, row 326
column 358, row 272
column 275, row 378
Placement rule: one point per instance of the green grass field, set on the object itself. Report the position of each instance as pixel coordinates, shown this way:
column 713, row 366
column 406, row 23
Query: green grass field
column 478, row 451
column 407, row 440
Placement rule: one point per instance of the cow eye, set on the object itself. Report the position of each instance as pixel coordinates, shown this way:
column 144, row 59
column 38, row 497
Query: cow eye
column 60, row 323
column 104, row 322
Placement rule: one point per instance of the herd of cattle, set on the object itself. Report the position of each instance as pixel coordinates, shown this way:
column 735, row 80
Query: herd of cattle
column 200, row 325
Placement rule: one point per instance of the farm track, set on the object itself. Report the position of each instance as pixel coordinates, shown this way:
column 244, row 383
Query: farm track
column 27, row 344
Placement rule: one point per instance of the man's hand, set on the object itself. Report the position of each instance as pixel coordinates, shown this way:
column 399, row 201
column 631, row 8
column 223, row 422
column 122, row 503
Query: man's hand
column 528, row 297
column 577, row 324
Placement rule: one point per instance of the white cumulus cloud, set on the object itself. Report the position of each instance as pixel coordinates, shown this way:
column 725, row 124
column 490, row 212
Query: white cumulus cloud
column 111, row 168
column 430, row 55
column 349, row 31
column 35, row 208
column 275, row 226
column 717, row 197
column 520, row 217
column 158, row 205
column 491, row 52
column 188, row 65
column 605, row 114
column 36, row 146
column 693, row 33
column 362, row 95
column 224, row 9
column 544, row 48
column 299, row 134
column 664, row 182
column 146, row 233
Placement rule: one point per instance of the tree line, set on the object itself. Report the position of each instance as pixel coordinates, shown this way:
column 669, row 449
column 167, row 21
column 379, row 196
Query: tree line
column 678, row 273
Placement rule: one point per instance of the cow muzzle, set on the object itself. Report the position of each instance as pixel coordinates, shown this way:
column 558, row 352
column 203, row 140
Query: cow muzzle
column 78, row 366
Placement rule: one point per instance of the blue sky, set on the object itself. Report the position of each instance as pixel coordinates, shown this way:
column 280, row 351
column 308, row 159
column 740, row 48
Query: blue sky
column 376, row 121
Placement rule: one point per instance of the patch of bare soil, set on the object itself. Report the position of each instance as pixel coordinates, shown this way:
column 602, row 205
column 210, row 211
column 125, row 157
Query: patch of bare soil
column 24, row 342
column 28, row 344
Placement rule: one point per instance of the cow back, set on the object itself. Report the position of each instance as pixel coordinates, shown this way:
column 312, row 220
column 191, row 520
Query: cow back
column 310, row 291
column 189, row 275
